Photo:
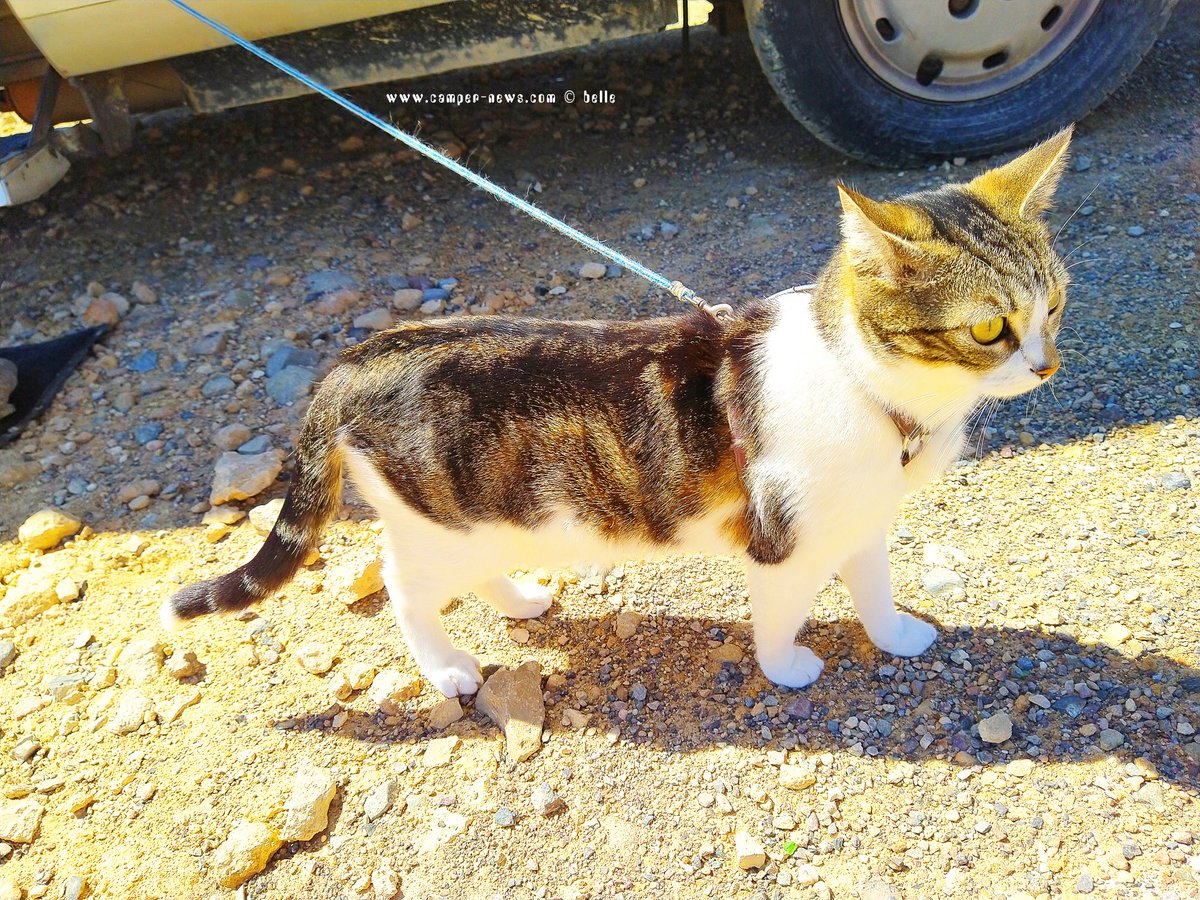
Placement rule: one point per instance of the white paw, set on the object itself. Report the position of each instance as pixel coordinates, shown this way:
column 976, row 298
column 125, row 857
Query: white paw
column 522, row 600
column 908, row 637
column 456, row 676
column 795, row 669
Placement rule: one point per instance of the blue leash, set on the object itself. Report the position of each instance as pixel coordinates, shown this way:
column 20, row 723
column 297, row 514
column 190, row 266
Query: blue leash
column 675, row 288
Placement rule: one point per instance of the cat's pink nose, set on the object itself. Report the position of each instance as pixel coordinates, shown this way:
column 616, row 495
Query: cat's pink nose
column 1047, row 370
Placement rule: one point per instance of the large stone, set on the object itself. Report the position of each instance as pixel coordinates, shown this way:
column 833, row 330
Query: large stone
column 46, row 528
column 308, row 806
column 19, row 820
column 239, row 477
column 512, row 698
column 244, row 853
column 34, row 593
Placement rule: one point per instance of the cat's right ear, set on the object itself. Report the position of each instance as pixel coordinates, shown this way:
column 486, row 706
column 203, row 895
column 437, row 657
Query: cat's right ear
column 878, row 237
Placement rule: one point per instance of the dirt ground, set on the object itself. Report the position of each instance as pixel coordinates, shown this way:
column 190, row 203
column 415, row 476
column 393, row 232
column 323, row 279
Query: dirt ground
column 1059, row 559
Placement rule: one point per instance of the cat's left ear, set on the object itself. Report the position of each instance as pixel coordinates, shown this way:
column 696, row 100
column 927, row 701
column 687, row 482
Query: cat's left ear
column 879, row 237
column 1027, row 184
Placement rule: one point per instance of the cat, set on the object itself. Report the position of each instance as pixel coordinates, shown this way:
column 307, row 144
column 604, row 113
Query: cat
column 787, row 432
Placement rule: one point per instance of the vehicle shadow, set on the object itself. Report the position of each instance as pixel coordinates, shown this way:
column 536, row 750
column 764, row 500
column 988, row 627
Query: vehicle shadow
column 1061, row 695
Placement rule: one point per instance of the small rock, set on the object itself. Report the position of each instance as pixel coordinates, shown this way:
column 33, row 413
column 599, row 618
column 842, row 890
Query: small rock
column 172, row 708
column 1110, row 739
column 1083, row 163
column 259, row 444
column 750, row 853
column 380, row 799
column 135, row 710
column 729, row 652
column 339, row 685
column 19, row 820
column 439, row 750
column 46, row 528
column 9, row 889
column 446, row 826
column 375, row 320
column 262, row 517
column 148, row 487
column 409, row 221
column 102, row 311
column 407, row 299
column 796, row 778
column 140, row 659
column 545, row 801
column 281, row 357
column 8, row 654
column 66, row 591
column 512, row 698
column 592, row 270
column 1116, row 634
column 315, row 658
column 385, row 885
column 239, row 477
column 326, row 281
column 1176, row 481
column 939, row 581
column 626, row 625
column 360, row 675
column 445, row 713
column 519, row 635
column 290, row 384
column 143, row 293
column 367, row 582
column 243, row 853
column 432, row 307
column 505, row 818
column 73, row 888
column 307, row 809
column 1135, row 231
column 878, row 889
column 800, row 708
column 1084, row 883
column 1050, row 615
column 33, row 593
column 996, row 729
column 215, row 387
column 351, row 144
column 391, row 688
column 1019, row 768
column 183, row 664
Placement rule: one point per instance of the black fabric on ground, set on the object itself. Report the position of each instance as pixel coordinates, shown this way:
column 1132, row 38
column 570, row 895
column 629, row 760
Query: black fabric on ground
column 41, row 370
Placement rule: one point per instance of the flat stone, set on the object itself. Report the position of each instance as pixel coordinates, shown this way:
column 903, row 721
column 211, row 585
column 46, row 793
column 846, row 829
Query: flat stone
column 1116, row 634
column 1050, row 615
column 290, row 384
column 1019, row 768
column 259, row 444
column 439, row 750
column 878, row 889
column 19, row 820
column 239, row 477
column 727, row 653
column 408, row 299
column 445, row 713
column 390, row 689
column 593, row 270
column 996, row 729
column 140, row 659
column 35, row 591
column 360, row 675
column 750, row 852
column 290, row 355
column 8, row 654
column 375, row 320
column 243, row 853
column 172, row 708
column 46, row 528
column 939, row 581
column 307, row 809
column 796, row 778
column 380, row 799
column 512, row 698
column 315, row 658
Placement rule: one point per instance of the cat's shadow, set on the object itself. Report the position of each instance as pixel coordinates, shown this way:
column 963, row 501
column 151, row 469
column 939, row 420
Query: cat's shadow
column 1063, row 697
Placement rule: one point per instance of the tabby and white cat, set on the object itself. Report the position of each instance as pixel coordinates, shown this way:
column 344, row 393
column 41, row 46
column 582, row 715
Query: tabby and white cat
column 787, row 433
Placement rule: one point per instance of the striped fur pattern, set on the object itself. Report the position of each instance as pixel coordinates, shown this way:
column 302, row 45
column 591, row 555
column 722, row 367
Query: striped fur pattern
column 488, row 445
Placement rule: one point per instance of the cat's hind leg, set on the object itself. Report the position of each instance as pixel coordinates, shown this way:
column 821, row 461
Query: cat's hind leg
column 516, row 601
column 866, row 576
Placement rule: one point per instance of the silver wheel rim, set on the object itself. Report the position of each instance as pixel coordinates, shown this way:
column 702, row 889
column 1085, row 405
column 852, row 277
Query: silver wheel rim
column 958, row 50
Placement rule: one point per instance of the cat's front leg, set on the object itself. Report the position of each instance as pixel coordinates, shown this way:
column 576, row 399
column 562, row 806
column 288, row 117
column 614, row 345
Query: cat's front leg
column 866, row 576
column 781, row 597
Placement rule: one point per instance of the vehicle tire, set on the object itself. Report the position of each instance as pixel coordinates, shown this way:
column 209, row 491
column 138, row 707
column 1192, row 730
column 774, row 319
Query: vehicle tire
column 866, row 77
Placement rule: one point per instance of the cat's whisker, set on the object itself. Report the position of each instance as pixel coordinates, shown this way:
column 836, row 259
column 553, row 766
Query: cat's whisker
column 1077, row 209
column 1077, row 247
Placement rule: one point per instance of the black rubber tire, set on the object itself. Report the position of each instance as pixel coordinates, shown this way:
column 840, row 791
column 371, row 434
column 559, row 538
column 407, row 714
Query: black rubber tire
column 809, row 60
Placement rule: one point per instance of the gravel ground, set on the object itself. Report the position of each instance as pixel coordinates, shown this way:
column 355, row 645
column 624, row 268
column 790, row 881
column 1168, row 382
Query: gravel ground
column 1045, row 746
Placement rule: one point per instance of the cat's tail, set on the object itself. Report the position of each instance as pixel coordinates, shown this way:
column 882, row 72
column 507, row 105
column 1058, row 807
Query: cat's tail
column 312, row 500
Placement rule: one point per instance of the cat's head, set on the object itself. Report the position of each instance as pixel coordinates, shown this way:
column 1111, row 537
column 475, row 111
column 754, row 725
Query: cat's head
column 962, row 284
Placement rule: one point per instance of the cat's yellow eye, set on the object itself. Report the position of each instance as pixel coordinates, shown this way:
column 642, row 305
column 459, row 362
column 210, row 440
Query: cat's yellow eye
column 990, row 331
column 1055, row 301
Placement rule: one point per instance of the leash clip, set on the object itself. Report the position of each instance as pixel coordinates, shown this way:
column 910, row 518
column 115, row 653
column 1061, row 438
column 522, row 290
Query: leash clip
column 718, row 310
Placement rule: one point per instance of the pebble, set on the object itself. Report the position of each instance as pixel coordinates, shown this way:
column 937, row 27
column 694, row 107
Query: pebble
column 878, row 889
column 243, row 853
column 143, row 293
column 1110, row 739
column 445, row 713
column 939, row 581
column 996, row 729
column 135, row 710
column 8, row 654
column 215, row 387
column 1135, row 231
column 19, row 820
column 439, row 750
column 626, row 625
column 407, row 299
column 279, row 358
column 592, row 270
column 505, row 818
column 432, row 307
column 367, row 581
column 262, row 517
column 326, row 281
column 315, row 658
column 545, row 801
column 140, row 659
column 1176, row 481
column 1050, row 615
column 360, row 675
column 1116, row 634
column 512, row 698
column 183, row 664
column 1019, row 768
column 259, row 444
column 380, row 799
column 750, row 852
column 239, row 477
column 796, row 778
column 385, row 884
column 307, row 809
column 146, row 361
column 390, row 689
column 290, row 384
column 519, row 635
column 47, row 528
column 435, row 293
column 73, row 888
column 143, row 487
column 105, row 310
column 9, row 889
column 1083, row 163
column 375, row 320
